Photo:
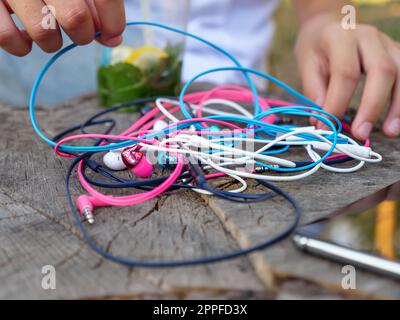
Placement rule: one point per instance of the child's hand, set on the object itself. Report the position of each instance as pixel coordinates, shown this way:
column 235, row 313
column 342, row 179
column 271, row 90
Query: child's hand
column 331, row 61
column 80, row 19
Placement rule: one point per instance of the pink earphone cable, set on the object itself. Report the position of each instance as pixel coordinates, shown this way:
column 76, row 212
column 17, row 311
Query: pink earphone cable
column 129, row 200
column 144, row 125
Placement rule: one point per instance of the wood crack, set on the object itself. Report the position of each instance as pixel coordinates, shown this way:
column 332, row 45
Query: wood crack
column 68, row 258
column 158, row 204
column 66, row 226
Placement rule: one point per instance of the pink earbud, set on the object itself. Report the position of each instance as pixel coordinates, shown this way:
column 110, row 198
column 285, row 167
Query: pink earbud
column 137, row 162
column 86, row 205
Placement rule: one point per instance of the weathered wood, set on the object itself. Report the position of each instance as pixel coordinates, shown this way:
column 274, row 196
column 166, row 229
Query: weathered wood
column 319, row 195
column 36, row 229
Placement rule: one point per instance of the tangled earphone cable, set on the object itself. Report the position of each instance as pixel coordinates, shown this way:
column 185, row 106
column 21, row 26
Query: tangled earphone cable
column 181, row 263
column 174, row 134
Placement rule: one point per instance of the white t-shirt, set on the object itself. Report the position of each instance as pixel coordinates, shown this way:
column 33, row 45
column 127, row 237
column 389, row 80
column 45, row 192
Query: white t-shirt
column 242, row 27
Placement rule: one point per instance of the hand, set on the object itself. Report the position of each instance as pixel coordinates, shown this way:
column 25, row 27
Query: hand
column 80, row 19
column 331, row 61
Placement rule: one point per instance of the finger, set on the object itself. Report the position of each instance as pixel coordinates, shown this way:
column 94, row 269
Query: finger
column 314, row 77
column 381, row 75
column 31, row 16
column 75, row 17
column 11, row 38
column 111, row 16
column 391, row 125
column 345, row 73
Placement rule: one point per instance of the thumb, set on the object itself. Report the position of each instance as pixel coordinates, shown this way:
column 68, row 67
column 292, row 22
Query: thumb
column 314, row 78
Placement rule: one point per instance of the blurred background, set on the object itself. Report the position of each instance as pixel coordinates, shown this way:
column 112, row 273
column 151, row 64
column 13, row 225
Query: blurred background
column 384, row 14
column 17, row 74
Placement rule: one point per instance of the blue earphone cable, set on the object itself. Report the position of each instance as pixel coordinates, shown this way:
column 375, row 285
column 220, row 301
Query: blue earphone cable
column 54, row 58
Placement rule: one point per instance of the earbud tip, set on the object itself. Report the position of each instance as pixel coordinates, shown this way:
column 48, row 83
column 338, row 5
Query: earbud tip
column 143, row 169
column 160, row 125
column 113, row 161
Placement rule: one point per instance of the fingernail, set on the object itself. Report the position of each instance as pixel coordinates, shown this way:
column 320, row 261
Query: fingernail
column 394, row 127
column 364, row 130
column 113, row 42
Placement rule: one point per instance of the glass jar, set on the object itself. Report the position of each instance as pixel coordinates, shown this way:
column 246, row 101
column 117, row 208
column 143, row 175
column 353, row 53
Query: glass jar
column 149, row 62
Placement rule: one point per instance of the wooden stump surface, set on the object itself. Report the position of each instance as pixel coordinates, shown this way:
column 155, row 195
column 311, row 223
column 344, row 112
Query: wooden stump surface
column 36, row 229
